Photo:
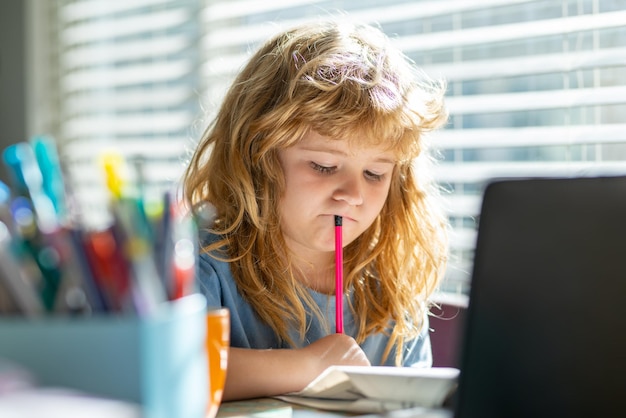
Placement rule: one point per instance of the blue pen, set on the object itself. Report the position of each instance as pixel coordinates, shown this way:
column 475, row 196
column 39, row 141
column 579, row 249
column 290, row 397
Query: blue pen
column 5, row 203
column 12, row 157
column 28, row 180
column 52, row 176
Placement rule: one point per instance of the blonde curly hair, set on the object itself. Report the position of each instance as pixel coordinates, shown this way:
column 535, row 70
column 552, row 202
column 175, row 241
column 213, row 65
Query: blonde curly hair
column 345, row 81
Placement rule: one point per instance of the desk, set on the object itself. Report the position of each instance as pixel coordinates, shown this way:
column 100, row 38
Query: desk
column 274, row 408
column 271, row 408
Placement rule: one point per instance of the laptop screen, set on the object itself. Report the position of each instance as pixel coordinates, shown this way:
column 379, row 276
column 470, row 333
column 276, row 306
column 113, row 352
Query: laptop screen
column 547, row 314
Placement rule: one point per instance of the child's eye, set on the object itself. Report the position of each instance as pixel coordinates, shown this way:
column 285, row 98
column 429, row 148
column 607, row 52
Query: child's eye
column 322, row 169
column 373, row 176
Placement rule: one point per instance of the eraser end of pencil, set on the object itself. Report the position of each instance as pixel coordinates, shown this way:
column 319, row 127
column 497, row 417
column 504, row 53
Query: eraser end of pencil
column 338, row 220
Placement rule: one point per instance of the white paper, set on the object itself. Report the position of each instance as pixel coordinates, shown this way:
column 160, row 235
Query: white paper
column 377, row 389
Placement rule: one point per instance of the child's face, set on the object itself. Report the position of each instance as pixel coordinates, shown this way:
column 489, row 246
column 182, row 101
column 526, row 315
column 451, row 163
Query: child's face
column 326, row 177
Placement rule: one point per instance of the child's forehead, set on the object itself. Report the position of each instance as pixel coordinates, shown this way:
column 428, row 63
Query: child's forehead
column 348, row 144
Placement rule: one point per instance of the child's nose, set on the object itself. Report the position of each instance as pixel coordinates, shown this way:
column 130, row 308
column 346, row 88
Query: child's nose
column 350, row 190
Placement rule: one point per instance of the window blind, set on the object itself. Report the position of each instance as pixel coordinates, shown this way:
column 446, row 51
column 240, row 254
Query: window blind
column 536, row 87
column 127, row 80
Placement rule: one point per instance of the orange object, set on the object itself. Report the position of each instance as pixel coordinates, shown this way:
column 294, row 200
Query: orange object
column 217, row 344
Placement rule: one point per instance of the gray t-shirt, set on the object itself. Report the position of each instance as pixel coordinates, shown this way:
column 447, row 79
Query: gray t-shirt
column 216, row 282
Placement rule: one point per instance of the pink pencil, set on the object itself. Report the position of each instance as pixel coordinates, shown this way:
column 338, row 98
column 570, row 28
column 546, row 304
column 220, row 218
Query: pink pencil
column 338, row 275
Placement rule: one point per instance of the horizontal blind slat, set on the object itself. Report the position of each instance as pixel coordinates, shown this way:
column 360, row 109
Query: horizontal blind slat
column 537, row 64
column 128, row 124
column 98, row 8
column 98, row 31
column 511, row 32
column 532, row 100
column 129, row 100
column 529, row 136
column 98, row 78
column 480, row 172
column 94, row 55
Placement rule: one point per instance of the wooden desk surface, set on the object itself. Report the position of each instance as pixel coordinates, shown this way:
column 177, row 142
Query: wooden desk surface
column 274, row 408
column 270, row 408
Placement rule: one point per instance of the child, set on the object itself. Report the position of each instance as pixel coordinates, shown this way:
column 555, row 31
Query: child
column 325, row 119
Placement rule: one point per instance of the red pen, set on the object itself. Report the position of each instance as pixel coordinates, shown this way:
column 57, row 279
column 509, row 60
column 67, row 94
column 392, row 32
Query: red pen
column 338, row 275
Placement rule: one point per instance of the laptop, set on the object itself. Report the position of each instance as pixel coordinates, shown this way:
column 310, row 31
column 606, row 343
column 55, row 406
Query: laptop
column 545, row 331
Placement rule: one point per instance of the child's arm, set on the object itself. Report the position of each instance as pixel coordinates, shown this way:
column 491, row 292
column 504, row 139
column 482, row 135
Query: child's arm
column 258, row 373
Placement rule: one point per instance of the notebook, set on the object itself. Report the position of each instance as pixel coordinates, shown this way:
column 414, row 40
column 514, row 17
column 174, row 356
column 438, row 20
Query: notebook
column 546, row 322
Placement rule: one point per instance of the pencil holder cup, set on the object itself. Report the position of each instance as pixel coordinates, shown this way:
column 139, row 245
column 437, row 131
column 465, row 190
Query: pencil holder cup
column 158, row 362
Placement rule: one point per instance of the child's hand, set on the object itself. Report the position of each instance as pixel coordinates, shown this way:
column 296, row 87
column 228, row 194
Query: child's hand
column 257, row 373
column 334, row 349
